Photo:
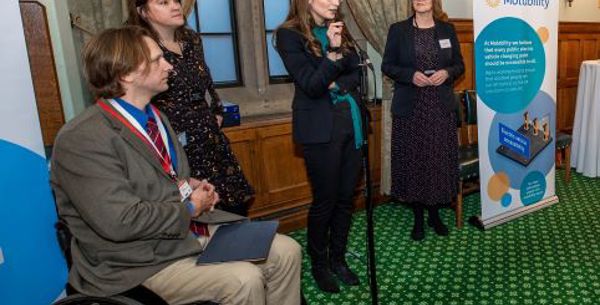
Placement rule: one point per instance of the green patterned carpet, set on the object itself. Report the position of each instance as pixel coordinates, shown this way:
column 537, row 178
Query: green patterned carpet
column 549, row 257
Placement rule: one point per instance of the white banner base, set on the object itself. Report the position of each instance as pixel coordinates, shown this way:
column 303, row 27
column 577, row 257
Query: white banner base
column 510, row 215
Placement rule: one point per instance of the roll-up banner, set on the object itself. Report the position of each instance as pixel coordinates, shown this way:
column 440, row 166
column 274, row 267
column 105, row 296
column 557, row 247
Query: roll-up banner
column 32, row 269
column 516, row 46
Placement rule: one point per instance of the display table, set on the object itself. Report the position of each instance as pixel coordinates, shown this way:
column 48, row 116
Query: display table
column 586, row 126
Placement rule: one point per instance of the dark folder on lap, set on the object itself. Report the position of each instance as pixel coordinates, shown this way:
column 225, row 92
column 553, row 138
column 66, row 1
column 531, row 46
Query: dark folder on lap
column 219, row 217
column 246, row 241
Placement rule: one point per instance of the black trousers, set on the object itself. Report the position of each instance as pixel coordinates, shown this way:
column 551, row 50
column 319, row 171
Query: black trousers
column 333, row 169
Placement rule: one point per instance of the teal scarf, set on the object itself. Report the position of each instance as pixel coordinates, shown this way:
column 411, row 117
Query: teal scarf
column 336, row 97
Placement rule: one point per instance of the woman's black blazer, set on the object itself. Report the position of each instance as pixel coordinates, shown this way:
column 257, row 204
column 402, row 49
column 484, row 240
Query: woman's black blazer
column 312, row 109
column 399, row 64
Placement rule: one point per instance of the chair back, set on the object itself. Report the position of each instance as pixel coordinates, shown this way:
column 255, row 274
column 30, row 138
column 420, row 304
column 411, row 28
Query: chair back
column 467, row 116
column 63, row 235
column 470, row 105
column 458, row 96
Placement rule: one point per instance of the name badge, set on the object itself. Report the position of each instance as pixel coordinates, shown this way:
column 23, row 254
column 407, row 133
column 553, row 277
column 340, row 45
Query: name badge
column 445, row 43
column 185, row 190
column 182, row 138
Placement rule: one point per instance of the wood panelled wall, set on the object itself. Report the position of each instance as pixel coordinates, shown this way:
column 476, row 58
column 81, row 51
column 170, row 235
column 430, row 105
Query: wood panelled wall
column 576, row 42
column 464, row 30
column 43, row 71
column 274, row 166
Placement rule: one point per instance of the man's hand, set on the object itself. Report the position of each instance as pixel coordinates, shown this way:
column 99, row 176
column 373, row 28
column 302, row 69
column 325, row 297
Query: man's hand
column 213, row 195
column 203, row 197
column 219, row 120
column 195, row 183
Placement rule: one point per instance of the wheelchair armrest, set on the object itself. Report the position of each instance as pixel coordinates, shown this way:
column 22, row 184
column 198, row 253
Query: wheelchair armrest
column 80, row 299
column 64, row 236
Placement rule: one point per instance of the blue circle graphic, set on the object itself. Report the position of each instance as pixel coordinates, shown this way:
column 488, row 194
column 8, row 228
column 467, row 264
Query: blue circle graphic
column 506, row 200
column 543, row 106
column 533, row 188
column 511, row 64
column 32, row 258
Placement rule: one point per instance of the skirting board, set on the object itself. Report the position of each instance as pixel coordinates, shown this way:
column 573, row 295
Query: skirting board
column 508, row 216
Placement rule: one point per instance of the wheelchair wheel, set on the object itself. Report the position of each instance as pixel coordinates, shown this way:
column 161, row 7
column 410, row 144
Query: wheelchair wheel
column 80, row 299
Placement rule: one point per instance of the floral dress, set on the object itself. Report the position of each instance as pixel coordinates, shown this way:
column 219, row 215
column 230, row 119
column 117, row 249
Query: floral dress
column 207, row 148
column 425, row 144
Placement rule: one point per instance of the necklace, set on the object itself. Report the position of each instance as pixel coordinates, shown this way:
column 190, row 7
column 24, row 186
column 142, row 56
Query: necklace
column 175, row 46
column 417, row 24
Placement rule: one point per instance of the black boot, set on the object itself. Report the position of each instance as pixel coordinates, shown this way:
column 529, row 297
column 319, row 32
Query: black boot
column 418, row 233
column 435, row 221
column 343, row 272
column 325, row 279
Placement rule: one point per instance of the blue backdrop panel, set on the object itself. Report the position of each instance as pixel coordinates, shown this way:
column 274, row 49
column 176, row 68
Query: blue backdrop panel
column 33, row 270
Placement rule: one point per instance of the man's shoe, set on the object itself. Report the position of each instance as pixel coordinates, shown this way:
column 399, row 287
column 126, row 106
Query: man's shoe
column 325, row 280
column 438, row 227
column 343, row 272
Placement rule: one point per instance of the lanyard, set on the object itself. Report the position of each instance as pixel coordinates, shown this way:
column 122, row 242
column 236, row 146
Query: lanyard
column 132, row 124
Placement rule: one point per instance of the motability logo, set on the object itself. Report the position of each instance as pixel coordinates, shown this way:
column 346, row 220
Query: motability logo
column 493, row 3
column 540, row 3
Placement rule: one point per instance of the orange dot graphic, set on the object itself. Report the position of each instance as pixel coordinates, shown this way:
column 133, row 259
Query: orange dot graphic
column 498, row 186
column 544, row 34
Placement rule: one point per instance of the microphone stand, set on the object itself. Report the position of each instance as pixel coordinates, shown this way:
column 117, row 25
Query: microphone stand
column 365, row 64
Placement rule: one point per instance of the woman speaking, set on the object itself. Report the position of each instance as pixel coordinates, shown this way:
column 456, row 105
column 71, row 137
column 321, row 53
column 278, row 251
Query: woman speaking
column 318, row 54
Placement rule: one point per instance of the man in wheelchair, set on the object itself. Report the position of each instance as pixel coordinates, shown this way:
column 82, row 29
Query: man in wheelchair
column 122, row 185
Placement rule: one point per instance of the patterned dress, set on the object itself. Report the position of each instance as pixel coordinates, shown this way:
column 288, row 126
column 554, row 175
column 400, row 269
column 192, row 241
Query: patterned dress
column 207, row 148
column 425, row 144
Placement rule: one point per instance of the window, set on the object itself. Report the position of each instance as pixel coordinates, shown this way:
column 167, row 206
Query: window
column 215, row 21
column 275, row 12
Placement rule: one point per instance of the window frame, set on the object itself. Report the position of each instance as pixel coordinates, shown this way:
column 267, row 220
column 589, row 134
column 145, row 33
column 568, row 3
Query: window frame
column 273, row 79
column 239, row 82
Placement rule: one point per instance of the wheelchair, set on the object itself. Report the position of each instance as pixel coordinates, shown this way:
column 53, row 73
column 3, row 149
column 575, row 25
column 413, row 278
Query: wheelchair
column 139, row 295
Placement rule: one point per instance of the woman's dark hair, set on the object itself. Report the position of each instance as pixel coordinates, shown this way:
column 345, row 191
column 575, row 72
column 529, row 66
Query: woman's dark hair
column 300, row 19
column 135, row 9
column 438, row 12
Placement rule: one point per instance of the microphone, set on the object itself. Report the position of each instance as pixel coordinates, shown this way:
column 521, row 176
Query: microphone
column 365, row 61
column 367, row 64
column 363, row 55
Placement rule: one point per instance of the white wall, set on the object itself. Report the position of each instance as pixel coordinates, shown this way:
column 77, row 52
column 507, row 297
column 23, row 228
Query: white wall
column 458, row 8
column 376, row 60
column 581, row 11
column 67, row 69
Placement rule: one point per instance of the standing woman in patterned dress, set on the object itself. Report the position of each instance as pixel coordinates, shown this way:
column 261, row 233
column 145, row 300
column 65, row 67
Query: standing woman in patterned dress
column 185, row 104
column 423, row 57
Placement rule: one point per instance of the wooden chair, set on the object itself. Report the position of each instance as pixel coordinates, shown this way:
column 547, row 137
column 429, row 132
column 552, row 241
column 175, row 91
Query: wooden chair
column 468, row 151
column 563, row 153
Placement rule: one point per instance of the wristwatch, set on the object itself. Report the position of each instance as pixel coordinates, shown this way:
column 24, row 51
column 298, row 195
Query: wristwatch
column 333, row 49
